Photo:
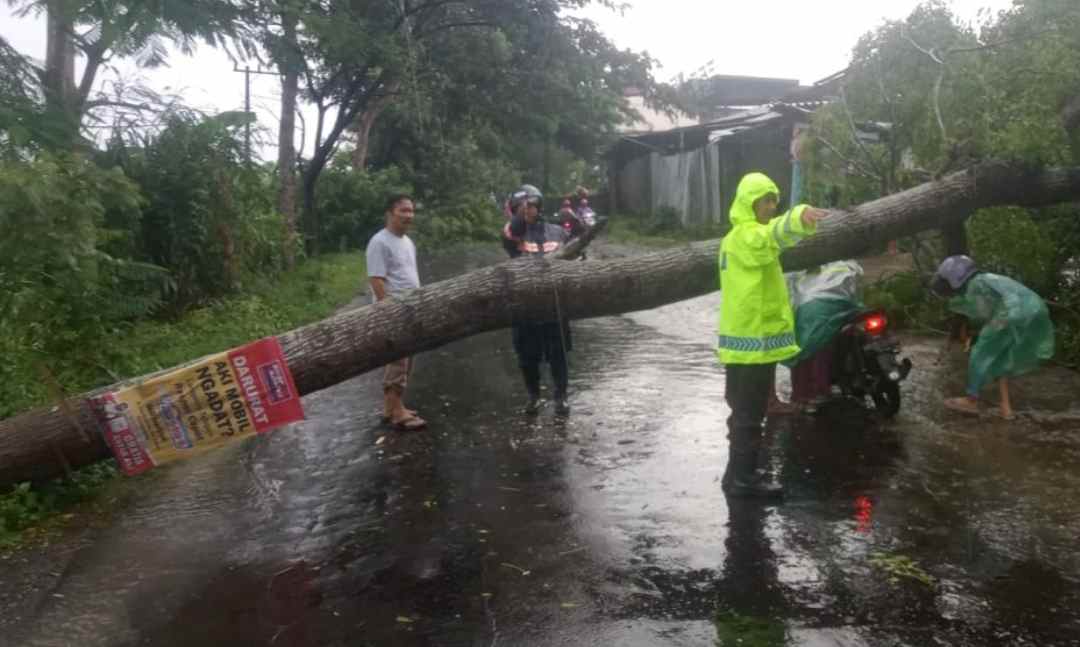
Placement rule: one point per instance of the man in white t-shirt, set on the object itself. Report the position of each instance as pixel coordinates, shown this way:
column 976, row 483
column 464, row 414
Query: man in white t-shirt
column 391, row 267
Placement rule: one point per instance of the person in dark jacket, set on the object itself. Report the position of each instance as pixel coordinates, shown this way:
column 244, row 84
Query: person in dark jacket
column 536, row 341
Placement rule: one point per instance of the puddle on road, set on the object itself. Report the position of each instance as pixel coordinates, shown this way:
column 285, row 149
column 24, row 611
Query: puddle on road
column 605, row 528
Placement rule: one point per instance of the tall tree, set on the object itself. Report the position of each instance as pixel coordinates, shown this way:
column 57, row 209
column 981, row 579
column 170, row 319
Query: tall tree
column 536, row 97
column 359, row 340
column 285, row 51
column 362, row 56
column 103, row 30
column 21, row 123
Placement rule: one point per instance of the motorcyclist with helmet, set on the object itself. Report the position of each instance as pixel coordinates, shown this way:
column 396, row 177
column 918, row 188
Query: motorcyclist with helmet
column 527, row 235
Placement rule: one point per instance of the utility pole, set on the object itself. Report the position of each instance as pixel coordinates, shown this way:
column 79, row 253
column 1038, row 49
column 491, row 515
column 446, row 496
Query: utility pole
column 247, row 113
column 247, row 103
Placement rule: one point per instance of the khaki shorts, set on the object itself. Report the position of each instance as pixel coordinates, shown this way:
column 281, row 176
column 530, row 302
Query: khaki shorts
column 396, row 374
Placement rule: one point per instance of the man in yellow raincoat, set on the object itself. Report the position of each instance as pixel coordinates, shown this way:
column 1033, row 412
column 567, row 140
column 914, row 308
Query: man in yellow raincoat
column 757, row 326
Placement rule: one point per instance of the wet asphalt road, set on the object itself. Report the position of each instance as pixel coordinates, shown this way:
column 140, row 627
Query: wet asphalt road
column 605, row 528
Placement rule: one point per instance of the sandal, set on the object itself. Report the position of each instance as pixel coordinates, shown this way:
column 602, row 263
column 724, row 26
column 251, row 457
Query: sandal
column 412, row 423
column 409, row 412
column 962, row 405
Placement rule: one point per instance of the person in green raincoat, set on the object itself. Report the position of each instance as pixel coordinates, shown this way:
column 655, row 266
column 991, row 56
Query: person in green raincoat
column 1016, row 330
column 757, row 326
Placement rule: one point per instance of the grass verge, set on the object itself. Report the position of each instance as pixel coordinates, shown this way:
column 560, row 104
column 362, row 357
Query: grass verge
column 636, row 232
column 310, row 293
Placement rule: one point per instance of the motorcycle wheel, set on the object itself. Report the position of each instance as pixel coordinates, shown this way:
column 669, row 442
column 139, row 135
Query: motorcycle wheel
column 887, row 399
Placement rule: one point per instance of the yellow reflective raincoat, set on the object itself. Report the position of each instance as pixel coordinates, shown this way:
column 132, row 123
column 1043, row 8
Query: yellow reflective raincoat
column 757, row 325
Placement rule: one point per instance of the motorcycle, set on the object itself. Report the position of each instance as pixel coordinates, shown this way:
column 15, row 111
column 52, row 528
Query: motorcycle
column 867, row 362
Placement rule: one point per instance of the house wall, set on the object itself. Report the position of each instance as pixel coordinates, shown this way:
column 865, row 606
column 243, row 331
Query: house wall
column 701, row 183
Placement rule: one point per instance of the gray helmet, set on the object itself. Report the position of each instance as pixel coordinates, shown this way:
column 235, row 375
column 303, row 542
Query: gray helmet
column 526, row 192
column 952, row 274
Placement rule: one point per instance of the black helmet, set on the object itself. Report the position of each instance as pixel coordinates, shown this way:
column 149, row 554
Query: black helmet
column 526, row 193
column 952, row 274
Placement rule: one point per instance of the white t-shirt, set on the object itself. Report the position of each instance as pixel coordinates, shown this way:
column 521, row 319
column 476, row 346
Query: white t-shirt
column 393, row 258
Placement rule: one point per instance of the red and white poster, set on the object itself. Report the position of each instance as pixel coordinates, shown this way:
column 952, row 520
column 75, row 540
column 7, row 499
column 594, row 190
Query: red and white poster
column 214, row 402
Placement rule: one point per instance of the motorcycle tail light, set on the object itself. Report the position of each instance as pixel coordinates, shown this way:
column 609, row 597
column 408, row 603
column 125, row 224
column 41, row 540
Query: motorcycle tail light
column 874, row 324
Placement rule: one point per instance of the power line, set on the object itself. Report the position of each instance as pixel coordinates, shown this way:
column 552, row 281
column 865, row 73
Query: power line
column 247, row 104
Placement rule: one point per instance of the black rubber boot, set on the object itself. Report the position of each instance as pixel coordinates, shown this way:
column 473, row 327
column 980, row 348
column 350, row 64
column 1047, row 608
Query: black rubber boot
column 757, row 486
column 743, row 479
column 747, row 392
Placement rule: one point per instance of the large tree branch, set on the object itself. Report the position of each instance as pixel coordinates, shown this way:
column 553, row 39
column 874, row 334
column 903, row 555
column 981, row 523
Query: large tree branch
column 865, row 170
column 360, row 340
column 855, row 133
column 1003, row 42
column 355, row 100
column 937, row 105
column 935, row 99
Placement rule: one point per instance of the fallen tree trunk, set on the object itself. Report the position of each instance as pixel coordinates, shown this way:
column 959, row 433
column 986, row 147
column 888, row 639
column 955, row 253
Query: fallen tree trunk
column 36, row 444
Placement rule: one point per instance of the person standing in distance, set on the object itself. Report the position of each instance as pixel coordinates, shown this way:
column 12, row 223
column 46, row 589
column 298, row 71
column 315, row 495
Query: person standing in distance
column 391, row 267
column 536, row 341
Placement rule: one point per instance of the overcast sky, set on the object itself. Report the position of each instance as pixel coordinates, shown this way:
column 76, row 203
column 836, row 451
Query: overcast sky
column 796, row 39
column 792, row 39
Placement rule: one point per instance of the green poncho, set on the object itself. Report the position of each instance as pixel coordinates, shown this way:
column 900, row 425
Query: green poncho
column 823, row 300
column 1016, row 330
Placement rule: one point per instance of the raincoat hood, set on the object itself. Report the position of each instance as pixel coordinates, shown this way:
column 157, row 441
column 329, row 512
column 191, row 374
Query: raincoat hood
column 751, row 187
column 757, row 325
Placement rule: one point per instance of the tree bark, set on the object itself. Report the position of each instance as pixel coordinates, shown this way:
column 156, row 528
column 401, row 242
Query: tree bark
column 59, row 77
column 360, row 340
column 286, row 141
column 309, row 184
column 364, row 123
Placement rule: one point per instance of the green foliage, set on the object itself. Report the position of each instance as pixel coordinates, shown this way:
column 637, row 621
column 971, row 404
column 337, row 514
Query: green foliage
column 352, row 204
column 23, row 125
column 738, row 630
column 473, row 218
column 1029, row 79
column 270, row 305
column 106, row 30
column 892, row 96
column 56, row 272
column 1008, row 241
column 462, row 166
column 928, row 95
column 639, row 230
column 907, row 300
column 207, row 214
column 1066, row 311
column 27, row 506
column 901, row 567
column 537, row 97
